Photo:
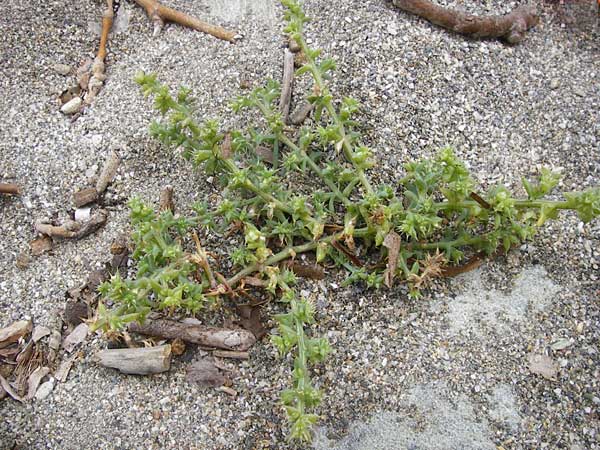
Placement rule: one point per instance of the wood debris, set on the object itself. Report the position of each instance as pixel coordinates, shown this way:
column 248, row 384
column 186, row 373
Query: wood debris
column 136, row 361
column 9, row 389
column 207, row 336
column 72, row 229
column 311, row 271
column 108, row 172
column 230, row 354
column 301, row 113
column 39, row 332
column 63, row 370
column 165, row 202
column 10, row 189
column 84, row 197
column 392, row 242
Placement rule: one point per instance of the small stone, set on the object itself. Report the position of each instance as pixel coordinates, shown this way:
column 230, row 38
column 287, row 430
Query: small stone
column 82, row 214
column 392, row 29
column 579, row 92
column 62, row 69
column 72, row 106
column 45, row 389
column 96, row 140
column 561, row 344
column 554, row 83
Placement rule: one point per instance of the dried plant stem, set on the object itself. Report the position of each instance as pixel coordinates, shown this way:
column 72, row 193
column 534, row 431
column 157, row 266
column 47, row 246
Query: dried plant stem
column 286, row 85
column 107, row 21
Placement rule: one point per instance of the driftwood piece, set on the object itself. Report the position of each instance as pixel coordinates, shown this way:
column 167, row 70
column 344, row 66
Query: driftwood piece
column 230, row 354
column 160, row 14
column 287, row 85
column 224, row 338
column 108, row 172
column 510, row 27
column 136, row 361
column 10, row 188
column 73, row 230
column 84, row 196
column 14, row 332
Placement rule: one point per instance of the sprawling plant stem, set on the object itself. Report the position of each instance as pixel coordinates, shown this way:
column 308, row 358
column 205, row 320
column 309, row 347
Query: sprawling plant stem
column 427, row 222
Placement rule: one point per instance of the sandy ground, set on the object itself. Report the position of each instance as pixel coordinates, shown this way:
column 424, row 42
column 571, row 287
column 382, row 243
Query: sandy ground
column 447, row 372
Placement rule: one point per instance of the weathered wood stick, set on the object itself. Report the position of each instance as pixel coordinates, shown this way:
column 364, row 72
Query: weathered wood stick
column 287, row 85
column 510, row 27
column 84, row 196
column 160, row 14
column 14, row 332
column 73, row 230
column 231, row 354
column 108, row 172
column 224, row 338
column 10, row 188
column 53, row 230
column 136, row 361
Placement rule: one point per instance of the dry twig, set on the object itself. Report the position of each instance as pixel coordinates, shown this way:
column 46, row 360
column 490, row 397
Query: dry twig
column 286, row 85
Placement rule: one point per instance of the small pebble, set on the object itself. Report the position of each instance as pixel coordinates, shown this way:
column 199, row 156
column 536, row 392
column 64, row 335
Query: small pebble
column 72, row 106
column 62, row 69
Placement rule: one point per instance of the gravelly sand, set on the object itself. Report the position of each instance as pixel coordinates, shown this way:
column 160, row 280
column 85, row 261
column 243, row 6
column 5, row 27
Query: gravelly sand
column 506, row 110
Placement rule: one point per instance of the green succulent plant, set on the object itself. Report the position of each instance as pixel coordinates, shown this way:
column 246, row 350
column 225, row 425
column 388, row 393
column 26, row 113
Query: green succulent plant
column 432, row 218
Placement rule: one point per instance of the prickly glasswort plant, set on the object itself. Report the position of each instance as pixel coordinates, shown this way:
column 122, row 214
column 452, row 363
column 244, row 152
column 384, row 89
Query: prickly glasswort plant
column 430, row 220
